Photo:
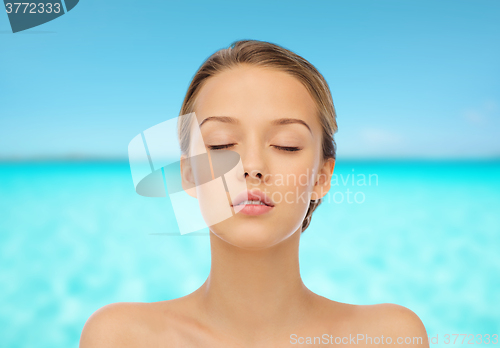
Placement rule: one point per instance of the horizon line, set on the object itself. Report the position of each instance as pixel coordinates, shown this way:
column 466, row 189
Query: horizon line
column 81, row 158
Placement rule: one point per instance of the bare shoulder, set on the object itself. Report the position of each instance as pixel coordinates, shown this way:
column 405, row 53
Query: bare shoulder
column 123, row 324
column 396, row 323
column 373, row 325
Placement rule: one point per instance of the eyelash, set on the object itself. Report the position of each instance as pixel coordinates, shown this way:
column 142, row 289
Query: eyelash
column 282, row 148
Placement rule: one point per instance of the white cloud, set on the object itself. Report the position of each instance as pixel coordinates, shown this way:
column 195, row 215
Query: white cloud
column 481, row 114
column 380, row 137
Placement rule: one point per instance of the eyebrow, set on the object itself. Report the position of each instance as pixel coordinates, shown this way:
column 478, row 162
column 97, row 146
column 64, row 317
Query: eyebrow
column 277, row 122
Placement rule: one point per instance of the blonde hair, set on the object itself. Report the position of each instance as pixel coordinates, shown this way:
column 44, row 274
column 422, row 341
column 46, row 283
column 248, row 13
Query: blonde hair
column 266, row 54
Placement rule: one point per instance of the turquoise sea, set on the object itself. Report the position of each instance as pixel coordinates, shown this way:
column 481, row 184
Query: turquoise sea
column 75, row 236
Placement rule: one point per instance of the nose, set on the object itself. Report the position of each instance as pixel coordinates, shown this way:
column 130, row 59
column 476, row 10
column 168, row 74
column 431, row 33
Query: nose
column 254, row 164
column 255, row 173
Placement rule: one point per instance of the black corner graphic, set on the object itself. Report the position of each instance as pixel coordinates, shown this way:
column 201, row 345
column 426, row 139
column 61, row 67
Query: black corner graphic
column 70, row 4
column 26, row 15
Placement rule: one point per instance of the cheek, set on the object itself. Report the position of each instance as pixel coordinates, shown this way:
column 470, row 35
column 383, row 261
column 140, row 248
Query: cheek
column 294, row 180
column 213, row 202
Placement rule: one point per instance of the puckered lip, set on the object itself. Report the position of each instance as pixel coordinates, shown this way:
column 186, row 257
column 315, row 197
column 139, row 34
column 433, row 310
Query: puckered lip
column 253, row 195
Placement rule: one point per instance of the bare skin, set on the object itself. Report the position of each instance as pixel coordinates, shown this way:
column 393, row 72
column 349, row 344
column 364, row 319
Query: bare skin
column 254, row 295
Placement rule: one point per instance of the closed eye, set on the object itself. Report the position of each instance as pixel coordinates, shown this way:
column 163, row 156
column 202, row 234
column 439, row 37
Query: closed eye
column 282, row 148
column 219, row 147
column 287, row 148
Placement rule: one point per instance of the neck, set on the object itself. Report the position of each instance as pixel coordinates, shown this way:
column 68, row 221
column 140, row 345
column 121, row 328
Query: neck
column 259, row 290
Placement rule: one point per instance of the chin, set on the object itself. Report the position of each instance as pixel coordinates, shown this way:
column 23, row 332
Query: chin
column 251, row 235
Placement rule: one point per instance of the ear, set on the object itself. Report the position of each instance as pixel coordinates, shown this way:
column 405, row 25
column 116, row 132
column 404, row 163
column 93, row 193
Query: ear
column 187, row 177
column 323, row 179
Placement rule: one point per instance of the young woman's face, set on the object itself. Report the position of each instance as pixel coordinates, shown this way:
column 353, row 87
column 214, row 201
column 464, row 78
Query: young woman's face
column 281, row 158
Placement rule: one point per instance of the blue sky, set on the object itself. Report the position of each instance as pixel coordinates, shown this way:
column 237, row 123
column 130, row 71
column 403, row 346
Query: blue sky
column 409, row 79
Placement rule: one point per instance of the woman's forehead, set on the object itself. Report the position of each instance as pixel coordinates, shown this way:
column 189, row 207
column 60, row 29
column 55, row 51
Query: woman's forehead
column 255, row 92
